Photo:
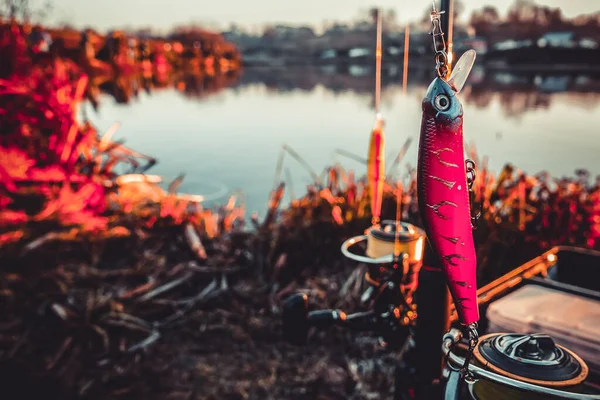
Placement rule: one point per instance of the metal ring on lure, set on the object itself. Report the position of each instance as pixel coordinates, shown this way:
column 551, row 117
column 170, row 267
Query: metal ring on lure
column 473, row 340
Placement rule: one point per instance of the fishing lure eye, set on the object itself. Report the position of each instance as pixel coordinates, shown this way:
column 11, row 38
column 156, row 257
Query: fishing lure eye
column 441, row 102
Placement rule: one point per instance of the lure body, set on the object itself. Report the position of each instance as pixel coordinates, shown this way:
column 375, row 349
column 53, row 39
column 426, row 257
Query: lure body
column 375, row 169
column 444, row 196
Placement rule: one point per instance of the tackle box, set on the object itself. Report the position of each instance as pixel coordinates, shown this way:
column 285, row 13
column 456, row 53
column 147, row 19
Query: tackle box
column 572, row 321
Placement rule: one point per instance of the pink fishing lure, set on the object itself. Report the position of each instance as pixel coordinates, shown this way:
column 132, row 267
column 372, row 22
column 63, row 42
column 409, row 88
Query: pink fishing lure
column 443, row 189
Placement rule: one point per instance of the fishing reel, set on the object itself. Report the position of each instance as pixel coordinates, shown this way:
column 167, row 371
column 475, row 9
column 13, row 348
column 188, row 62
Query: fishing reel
column 393, row 255
column 382, row 243
column 515, row 366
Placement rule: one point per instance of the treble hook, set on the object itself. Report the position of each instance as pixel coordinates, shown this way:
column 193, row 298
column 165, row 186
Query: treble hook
column 473, row 337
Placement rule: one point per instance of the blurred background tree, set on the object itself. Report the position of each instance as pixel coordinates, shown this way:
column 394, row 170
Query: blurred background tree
column 25, row 10
column 485, row 19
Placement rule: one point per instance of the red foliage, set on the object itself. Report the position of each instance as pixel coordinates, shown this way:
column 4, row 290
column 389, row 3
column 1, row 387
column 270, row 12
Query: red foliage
column 54, row 171
column 42, row 143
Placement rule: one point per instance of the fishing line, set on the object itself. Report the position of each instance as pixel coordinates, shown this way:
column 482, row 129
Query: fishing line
column 398, row 214
column 449, row 34
column 378, row 64
column 405, row 67
column 221, row 191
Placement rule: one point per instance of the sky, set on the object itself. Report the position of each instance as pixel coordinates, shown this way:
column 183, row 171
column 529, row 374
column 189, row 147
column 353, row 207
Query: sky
column 162, row 15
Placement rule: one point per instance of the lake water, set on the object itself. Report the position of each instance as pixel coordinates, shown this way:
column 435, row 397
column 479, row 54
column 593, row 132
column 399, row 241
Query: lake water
column 232, row 139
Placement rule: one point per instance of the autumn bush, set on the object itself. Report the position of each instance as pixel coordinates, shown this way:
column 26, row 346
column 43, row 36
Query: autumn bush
column 44, row 151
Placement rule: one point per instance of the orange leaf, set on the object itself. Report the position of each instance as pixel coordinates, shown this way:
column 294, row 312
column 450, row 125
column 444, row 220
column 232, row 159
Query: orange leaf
column 53, row 173
column 86, row 220
column 74, row 207
column 7, row 180
column 336, row 212
column 15, row 162
column 8, row 217
column 10, row 237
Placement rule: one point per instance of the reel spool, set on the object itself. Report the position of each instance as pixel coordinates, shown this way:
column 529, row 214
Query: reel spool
column 521, row 367
column 383, row 243
column 381, row 240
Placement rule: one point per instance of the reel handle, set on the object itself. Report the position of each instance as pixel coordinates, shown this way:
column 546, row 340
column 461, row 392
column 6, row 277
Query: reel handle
column 297, row 320
column 362, row 321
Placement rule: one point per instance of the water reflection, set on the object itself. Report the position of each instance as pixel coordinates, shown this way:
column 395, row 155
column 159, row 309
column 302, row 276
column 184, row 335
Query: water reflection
column 534, row 121
column 518, row 92
column 125, row 88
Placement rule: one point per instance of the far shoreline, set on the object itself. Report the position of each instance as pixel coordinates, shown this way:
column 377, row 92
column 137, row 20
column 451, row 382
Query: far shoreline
column 424, row 64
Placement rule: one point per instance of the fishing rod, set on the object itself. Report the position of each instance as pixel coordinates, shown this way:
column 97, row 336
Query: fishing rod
column 447, row 25
column 406, row 50
column 376, row 159
column 378, row 54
